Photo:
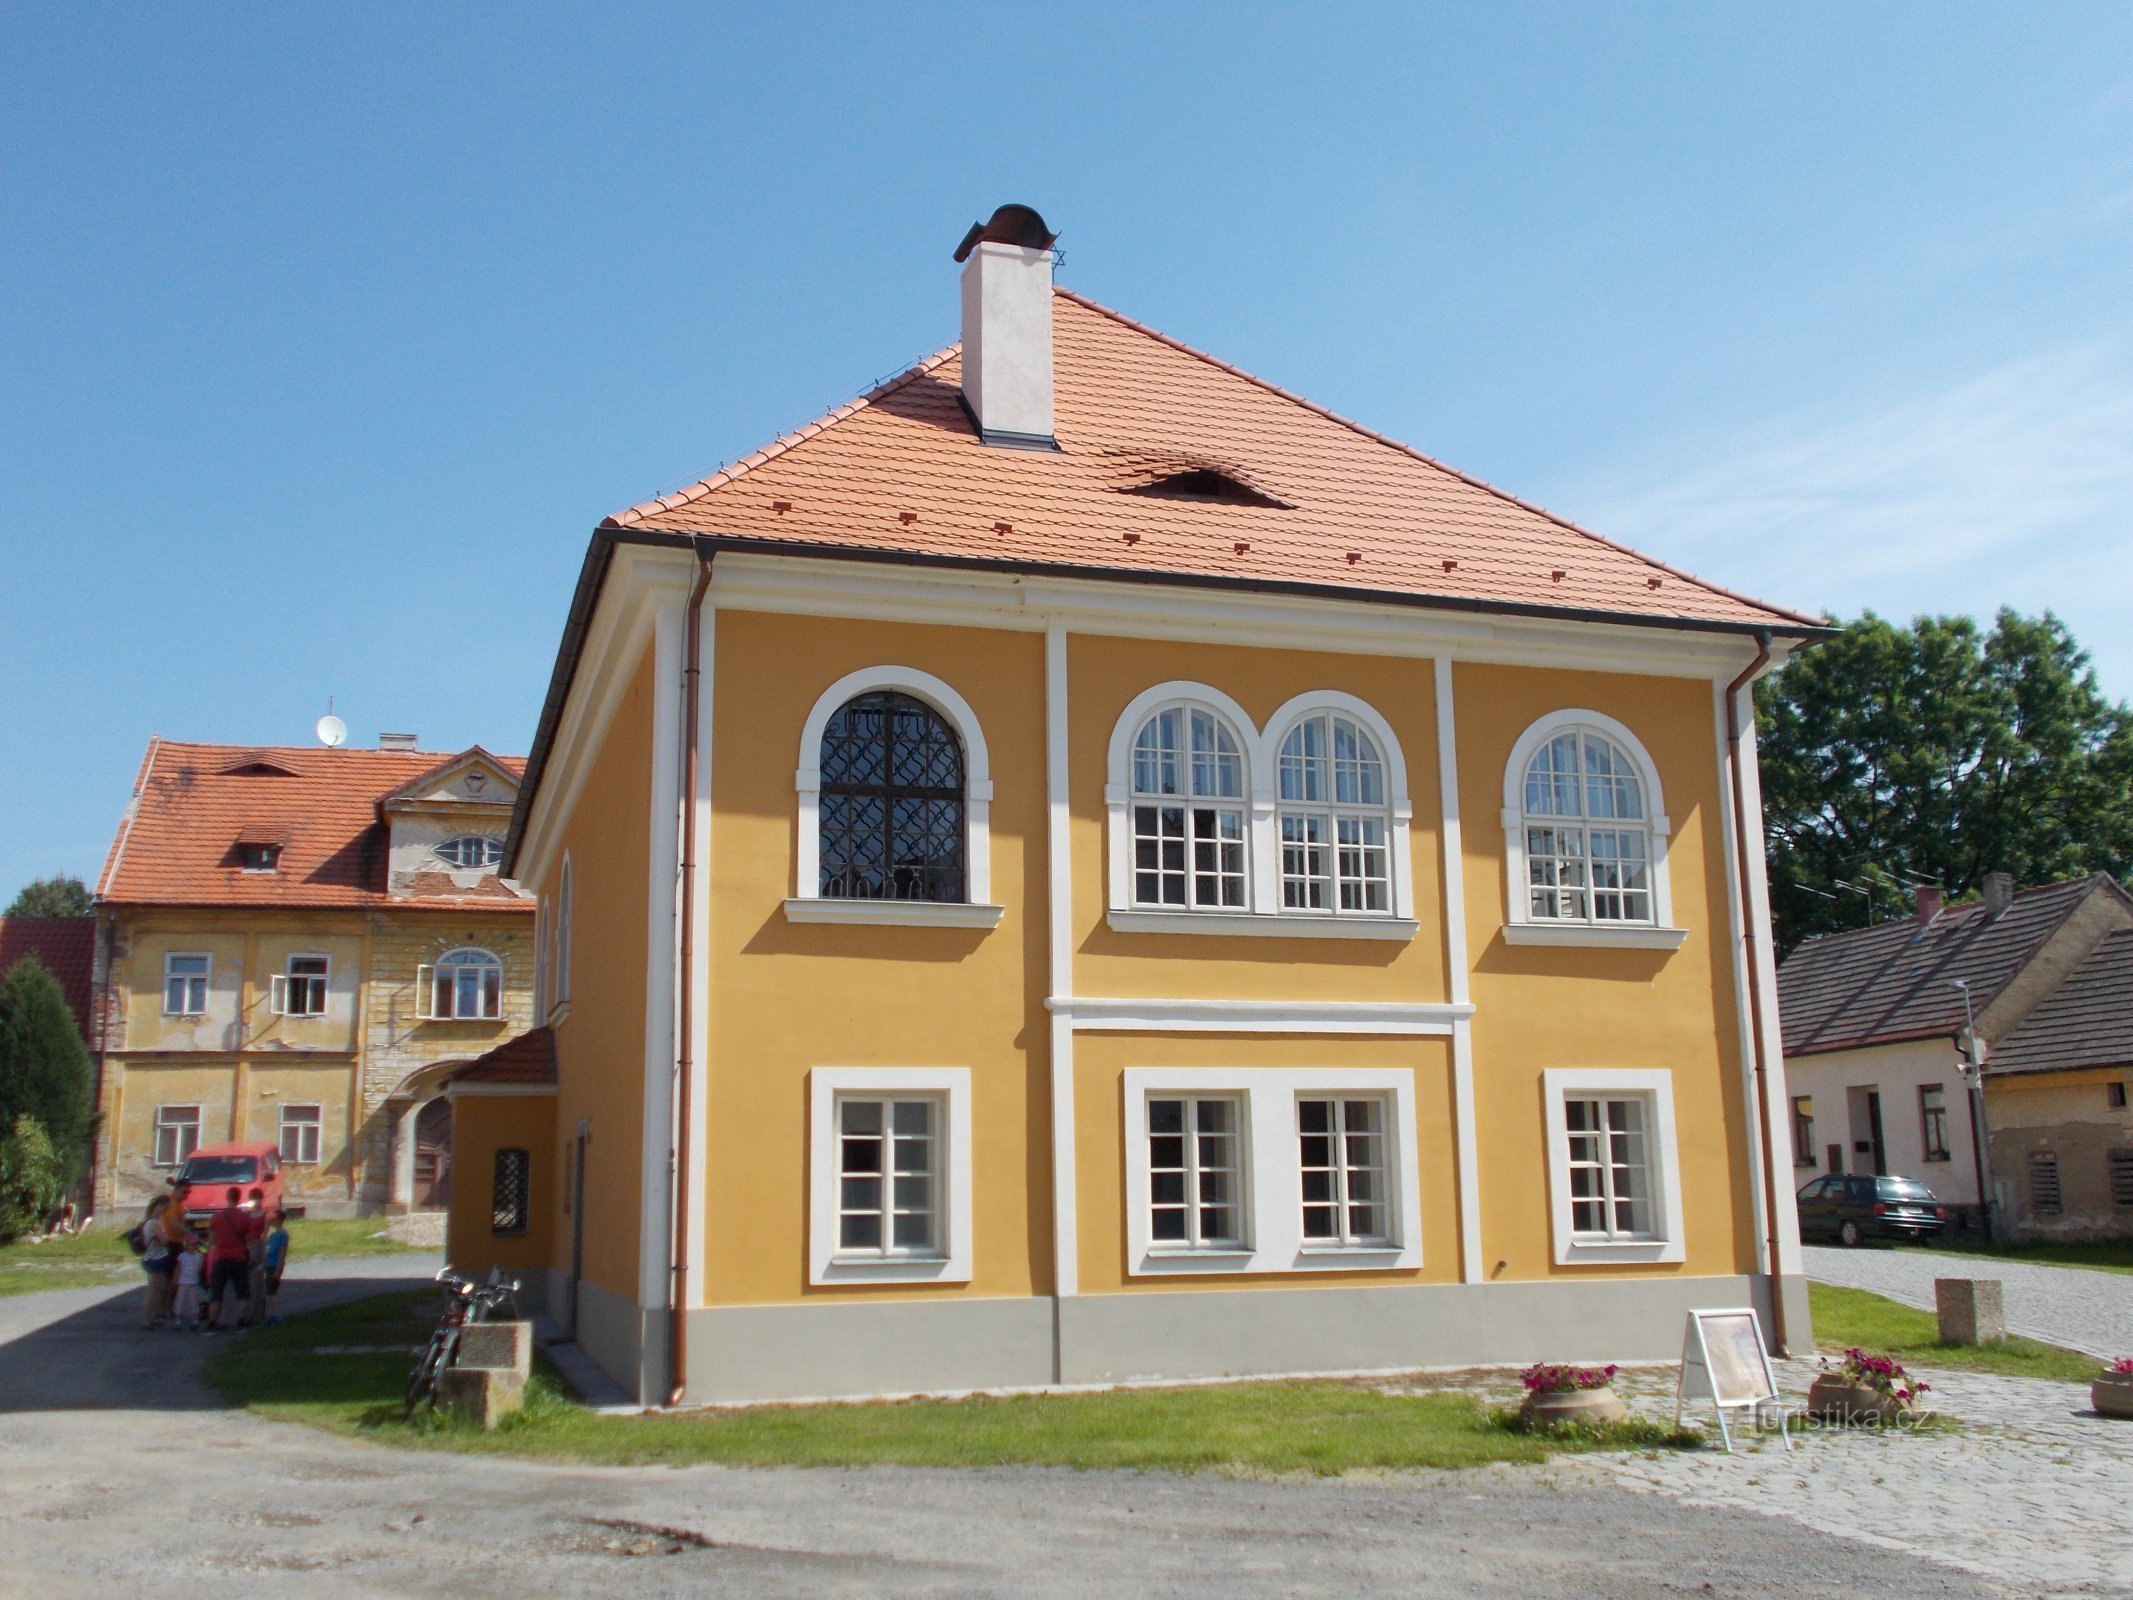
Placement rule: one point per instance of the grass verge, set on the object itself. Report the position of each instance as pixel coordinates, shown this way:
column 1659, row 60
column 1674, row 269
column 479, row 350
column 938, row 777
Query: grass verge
column 2097, row 1255
column 100, row 1255
column 1257, row 1429
column 1845, row 1317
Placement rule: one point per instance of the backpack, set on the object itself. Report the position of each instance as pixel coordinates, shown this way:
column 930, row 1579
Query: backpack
column 136, row 1238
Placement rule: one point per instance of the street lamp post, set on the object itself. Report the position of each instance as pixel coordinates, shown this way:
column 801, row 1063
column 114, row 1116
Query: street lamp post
column 1980, row 1134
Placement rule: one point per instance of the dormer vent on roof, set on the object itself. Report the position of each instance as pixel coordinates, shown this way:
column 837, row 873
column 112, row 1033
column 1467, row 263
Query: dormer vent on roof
column 1007, row 328
column 1209, row 486
column 254, row 769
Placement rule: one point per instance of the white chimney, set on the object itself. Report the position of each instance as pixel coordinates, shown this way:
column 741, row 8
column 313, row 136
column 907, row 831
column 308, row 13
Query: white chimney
column 1007, row 328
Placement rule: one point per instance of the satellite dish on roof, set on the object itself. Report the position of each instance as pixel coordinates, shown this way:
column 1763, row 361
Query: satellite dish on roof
column 332, row 731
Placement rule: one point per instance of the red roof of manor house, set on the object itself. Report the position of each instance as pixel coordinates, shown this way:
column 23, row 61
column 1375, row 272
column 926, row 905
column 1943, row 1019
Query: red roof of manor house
column 527, row 1059
column 194, row 803
column 1322, row 503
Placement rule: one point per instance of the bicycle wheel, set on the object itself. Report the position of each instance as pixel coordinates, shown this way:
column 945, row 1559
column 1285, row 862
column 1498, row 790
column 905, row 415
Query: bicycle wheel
column 422, row 1385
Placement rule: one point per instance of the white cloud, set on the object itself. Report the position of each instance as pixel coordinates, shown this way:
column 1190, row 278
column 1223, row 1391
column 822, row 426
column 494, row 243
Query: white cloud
column 2012, row 488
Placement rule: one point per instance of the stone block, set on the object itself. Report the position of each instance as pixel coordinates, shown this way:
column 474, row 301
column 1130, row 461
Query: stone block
column 482, row 1393
column 1971, row 1310
column 498, row 1347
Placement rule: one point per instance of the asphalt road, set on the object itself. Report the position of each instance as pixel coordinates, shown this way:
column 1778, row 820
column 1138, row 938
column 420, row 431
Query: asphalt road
column 120, row 1476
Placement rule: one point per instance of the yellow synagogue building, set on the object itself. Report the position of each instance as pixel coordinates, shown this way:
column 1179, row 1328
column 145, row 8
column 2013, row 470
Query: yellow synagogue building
column 1084, row 867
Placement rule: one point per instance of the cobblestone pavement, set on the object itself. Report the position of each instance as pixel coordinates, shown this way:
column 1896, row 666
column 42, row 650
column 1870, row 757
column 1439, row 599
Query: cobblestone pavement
column 2072, row 1306
column 2031, row 1490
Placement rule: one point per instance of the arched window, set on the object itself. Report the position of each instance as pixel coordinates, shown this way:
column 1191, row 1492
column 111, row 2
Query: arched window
column 1188, row 799
column 1587, row 826
column 891, row 802
column 470, row 850
column 462, row 985
column 1335, row 818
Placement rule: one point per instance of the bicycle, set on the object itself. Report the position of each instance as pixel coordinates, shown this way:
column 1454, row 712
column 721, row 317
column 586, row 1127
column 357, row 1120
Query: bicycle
column 465, row 1301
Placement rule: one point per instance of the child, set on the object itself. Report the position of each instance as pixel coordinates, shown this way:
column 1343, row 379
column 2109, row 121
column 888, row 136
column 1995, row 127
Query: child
column 186, row 1307
column 277, row 1256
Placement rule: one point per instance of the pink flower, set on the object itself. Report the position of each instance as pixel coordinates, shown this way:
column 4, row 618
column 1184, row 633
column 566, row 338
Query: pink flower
column 2123, row 1366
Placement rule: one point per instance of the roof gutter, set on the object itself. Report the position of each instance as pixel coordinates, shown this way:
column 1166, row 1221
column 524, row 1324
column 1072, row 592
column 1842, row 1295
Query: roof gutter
column 685, row 987
column 1751, row 940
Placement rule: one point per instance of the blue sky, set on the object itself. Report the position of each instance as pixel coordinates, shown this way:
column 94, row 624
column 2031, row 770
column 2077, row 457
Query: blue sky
column 326, row 335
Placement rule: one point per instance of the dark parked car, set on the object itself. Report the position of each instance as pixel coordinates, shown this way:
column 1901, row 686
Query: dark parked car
column 1849, row 1208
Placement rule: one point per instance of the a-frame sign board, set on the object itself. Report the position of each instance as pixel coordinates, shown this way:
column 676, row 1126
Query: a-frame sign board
column 1724, row 1359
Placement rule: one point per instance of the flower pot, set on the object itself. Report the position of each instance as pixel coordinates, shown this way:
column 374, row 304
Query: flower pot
column 1831, row 1399
column 2112, row 1394
column 1553, row 1408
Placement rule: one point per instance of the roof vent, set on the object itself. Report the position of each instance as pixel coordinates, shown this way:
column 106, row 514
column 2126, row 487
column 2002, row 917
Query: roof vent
column 1007, row 328
column 1208, row 486
column 398, row 741
column 254, row 769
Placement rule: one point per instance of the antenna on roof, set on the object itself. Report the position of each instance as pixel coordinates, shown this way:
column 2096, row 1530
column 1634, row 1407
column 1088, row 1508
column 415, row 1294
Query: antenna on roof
column 332, row 731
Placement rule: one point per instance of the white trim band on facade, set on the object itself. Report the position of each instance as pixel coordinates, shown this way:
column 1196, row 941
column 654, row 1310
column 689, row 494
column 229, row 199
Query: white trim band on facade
column 894, row 913
column 1270, row 1192
column 1256, row 925
column 1594, row 935
column 951, row 1086
column 1360, row 1018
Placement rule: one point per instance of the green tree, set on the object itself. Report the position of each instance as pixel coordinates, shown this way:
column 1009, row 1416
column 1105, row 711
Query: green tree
column 44, row 1065
column 57, row 896
column 1938, row 752
column 33, row 1179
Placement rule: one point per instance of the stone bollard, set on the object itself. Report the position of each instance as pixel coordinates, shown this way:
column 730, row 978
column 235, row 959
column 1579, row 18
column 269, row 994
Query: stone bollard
column 488, row 1380
column 1971, row 1311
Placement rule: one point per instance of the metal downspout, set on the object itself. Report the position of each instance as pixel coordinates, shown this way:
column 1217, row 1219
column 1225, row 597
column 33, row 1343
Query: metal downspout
column 685, row 988
column 1750, row 938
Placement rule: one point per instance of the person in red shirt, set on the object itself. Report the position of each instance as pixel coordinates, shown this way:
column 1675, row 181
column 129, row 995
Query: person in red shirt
column 229, row 1260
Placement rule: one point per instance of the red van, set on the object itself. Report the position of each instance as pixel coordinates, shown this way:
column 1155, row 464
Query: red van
column 244, row 1165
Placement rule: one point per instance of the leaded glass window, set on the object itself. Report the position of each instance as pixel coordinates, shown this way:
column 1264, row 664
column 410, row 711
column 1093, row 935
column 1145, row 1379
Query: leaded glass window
column 892, row 804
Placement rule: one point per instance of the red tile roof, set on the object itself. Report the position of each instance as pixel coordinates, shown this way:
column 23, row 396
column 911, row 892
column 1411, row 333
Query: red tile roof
column 527, row 1059
column 67, row 947
column 901, row 471
column 193, row 803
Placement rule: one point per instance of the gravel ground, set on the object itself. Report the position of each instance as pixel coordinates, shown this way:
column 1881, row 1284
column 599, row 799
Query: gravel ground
column 118, row 1477
column 2071, row 1306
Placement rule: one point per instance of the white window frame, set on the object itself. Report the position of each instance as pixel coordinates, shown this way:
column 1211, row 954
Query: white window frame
column 426, row 984
column 808, row 903
column 1520, row 925
column 495, row 844
column 278, row 987
column 1342, row 1170
column 1262, row 913
column 1655, row 1087
column 950, row 1087
column 1271, row 1198
column 195, row 982
column 176, row 1125
column 315, row 1126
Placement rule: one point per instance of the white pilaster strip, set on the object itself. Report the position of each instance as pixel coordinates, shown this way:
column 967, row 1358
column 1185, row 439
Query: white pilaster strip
column 1468, row 1139
column 1743, row 1017
column 662, row 913
column 700, row 1009
column 1059, row 901
column 1764, row 972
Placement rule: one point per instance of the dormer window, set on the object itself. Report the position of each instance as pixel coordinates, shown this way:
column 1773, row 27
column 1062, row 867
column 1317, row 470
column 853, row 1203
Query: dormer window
column 1209, row 486
column 258, row 848
column 471, row 850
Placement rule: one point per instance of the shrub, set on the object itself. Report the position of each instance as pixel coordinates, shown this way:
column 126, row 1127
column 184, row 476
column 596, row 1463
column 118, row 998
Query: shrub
column 33, row 1179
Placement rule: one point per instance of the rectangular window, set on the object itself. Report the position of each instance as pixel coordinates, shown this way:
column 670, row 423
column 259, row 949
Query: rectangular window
column 300, row 1126
column 300, row 989
column 177, row 1134
column 1341, row 1153
column 2044, row 1195
column 2114, row 1096
column 1803, row 1130
column 2121, row 1166
column 185, row 985
column 1933, row 1118
column 511, row 1192
column 888, row 1176
column 1610, row 1168
column 1195, row 1173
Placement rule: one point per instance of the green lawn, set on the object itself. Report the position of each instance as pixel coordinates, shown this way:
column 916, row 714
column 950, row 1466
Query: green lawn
column 1845, row 1317
column 1310, row 1427
column 2100, row 1255
column 101, row 1256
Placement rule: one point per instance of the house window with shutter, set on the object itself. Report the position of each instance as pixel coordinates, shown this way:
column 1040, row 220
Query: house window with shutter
column 2044, row 1194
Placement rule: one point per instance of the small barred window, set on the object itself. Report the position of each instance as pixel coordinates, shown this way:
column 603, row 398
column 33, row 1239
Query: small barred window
column 510, row 1204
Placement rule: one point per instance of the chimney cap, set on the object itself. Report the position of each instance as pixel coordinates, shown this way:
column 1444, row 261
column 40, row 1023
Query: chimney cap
column 1010, row 224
